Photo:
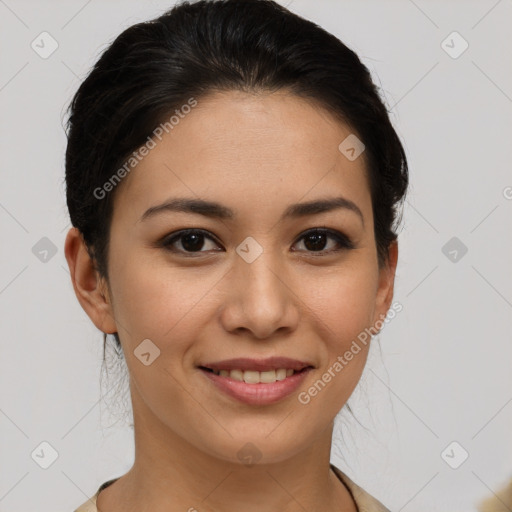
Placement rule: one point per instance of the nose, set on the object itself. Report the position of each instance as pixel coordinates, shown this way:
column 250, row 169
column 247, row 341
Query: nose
column 259, row 300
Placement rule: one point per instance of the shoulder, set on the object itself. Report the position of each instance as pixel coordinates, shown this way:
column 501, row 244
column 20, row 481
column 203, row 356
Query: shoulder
column 90, row 504
column 365, row 502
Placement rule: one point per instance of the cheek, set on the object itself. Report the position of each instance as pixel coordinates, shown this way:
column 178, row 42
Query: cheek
column 343, row 301
column 342, row 307
column 166, row 307
column 160, row 304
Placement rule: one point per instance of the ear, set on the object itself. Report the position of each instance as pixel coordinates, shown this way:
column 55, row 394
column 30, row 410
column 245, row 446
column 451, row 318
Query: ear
column 90, row 289
column 386, row 285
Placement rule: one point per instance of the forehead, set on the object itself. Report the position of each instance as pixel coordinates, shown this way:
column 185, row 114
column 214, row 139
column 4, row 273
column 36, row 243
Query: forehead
column 248, row 151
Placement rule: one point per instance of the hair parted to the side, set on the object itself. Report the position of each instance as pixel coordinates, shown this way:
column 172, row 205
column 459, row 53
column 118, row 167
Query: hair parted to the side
column 195, row 48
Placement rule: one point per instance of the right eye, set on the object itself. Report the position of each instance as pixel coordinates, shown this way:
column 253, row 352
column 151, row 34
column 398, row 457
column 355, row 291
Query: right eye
column 191, row 241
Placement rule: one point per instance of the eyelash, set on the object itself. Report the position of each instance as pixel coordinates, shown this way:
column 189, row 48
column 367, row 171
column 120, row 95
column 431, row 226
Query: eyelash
column 343, row 241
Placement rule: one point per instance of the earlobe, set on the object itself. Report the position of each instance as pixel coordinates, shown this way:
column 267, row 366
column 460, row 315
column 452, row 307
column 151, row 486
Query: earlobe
column 90, row 288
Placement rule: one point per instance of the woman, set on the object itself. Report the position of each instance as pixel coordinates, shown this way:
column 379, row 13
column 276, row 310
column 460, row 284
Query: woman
column 233, row 181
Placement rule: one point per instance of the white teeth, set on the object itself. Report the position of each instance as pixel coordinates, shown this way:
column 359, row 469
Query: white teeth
column 281, row 374
column 254, row 377
column 235, row 374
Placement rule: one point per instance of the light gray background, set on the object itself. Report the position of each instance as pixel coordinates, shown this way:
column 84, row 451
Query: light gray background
column 444, row 373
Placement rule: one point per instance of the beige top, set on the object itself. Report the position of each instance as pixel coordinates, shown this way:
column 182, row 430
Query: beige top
column 364, row 501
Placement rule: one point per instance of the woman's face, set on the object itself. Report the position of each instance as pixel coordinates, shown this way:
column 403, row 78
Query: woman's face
column 261, row 282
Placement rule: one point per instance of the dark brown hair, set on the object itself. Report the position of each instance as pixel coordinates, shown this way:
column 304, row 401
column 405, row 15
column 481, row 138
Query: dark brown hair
column 195, row 48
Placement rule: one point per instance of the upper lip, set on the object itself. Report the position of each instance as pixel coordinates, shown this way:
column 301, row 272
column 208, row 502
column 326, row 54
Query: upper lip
column 260, row 365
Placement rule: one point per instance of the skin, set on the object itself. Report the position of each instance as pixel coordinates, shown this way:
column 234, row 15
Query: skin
column 256, row 154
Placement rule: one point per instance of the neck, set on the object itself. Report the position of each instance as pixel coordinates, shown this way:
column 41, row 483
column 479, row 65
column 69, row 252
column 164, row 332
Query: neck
column 170, row 474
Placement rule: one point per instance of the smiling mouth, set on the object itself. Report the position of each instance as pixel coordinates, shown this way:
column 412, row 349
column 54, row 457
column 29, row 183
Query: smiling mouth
column 256, row 377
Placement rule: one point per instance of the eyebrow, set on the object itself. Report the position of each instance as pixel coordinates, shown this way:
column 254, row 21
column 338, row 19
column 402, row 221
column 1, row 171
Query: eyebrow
column 218, row 211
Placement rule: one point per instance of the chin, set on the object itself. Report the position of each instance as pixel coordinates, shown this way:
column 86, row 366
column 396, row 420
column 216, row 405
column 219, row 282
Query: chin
column 257, row 449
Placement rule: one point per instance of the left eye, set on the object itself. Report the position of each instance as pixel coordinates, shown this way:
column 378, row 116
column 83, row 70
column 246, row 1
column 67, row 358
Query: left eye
column 315, row 240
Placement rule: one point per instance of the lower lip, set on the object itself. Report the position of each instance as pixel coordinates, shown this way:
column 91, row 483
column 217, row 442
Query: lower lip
column 257, row 394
